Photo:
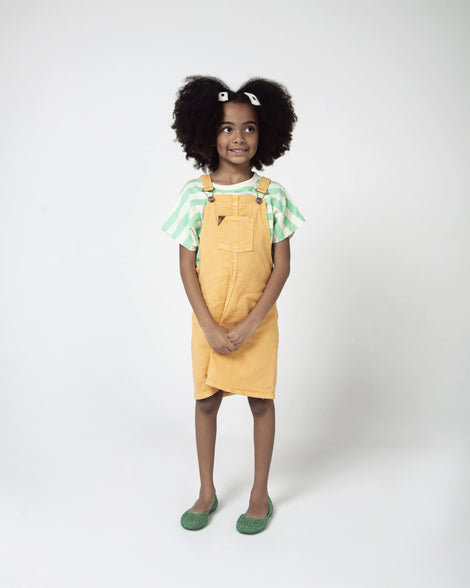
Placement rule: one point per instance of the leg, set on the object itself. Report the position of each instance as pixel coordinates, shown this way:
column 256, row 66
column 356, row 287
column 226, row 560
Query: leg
column 263, row 429
column 206, row 429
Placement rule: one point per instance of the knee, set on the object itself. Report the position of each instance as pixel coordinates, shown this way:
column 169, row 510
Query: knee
column 210, row 405
column 259, row 406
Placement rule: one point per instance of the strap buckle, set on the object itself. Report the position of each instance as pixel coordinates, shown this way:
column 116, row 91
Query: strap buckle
column 207, row 186
column 262, row 189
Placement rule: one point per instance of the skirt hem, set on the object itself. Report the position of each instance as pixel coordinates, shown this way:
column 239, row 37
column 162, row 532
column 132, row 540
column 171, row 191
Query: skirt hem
column 232, row 391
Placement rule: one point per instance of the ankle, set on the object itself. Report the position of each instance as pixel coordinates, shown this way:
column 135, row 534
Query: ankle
column 259, row 494
column 207, row 492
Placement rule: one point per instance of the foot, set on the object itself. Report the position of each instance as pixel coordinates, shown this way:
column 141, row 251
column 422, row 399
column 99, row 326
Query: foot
column 258, row 507
column 250, row 525
column 203, row 503
column 194, row 521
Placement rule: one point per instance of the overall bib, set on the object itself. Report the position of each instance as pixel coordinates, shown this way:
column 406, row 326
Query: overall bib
column 235, row 265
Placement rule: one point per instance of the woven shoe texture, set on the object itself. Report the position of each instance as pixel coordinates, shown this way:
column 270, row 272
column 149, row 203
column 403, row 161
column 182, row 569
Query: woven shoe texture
column 193, row 521
column 251, row 526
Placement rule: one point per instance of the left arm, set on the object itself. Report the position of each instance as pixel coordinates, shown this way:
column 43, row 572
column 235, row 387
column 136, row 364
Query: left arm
column 242, row 332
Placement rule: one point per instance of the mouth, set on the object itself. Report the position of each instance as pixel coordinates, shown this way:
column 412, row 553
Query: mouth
column 238, row 151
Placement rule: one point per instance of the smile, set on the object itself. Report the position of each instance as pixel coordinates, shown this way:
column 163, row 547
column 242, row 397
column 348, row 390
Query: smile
column 238, row 150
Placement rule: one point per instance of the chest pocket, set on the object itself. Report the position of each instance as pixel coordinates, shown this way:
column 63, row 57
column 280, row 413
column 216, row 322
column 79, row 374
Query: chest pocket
column 235, row 234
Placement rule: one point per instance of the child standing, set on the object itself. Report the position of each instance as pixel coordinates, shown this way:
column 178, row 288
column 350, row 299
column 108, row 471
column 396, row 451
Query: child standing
column 233, row 228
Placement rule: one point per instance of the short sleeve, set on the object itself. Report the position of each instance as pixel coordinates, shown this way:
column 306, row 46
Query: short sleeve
column 185, row 221
column 287, row 218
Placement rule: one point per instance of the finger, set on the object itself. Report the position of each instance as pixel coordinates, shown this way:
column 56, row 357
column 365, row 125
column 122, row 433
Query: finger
column 231, row 346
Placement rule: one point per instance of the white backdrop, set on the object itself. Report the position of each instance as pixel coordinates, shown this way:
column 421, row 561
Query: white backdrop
column 370, row 476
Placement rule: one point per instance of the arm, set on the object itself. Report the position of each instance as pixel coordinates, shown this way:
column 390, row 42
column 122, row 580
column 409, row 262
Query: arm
column 245, row 330
column 215, row 334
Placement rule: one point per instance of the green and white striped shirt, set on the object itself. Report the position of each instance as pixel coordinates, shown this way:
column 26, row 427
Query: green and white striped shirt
column 185, row 222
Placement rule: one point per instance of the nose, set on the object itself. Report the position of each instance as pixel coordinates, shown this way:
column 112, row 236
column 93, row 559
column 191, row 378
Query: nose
column 238, row 136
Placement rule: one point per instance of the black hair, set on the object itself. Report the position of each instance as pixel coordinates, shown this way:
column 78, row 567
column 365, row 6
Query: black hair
column 198, row 113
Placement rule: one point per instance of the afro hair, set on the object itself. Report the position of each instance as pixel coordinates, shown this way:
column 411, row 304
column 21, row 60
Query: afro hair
column 198, row 113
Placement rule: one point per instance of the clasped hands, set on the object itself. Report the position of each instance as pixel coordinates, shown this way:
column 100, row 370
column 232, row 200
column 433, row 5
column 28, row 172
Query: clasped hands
column 225, row 341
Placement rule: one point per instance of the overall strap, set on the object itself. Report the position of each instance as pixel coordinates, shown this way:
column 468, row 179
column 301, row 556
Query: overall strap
column 262, row 188
column 207, row 186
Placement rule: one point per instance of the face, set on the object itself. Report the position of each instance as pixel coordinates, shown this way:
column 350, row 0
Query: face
column 237, row 137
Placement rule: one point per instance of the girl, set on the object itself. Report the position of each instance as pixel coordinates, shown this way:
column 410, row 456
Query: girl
column 233, row 228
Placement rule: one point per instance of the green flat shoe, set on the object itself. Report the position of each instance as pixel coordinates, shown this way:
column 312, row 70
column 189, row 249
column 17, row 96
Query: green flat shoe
column 250, row 525
column 193, row 521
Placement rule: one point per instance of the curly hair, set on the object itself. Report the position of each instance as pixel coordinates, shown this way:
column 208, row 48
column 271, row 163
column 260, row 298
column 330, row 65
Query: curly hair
column 198, row 113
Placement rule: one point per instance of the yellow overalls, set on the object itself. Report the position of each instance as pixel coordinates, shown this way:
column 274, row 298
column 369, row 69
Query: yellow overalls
column 234, row 267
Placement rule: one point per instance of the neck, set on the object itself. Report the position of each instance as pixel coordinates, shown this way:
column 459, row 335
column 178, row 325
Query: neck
column 231, row 176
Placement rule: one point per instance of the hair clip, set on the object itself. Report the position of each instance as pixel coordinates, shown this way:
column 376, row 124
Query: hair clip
column 253, row 99
column 223, row 97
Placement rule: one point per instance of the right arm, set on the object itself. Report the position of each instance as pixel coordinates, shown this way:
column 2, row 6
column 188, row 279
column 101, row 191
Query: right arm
column 215, row 334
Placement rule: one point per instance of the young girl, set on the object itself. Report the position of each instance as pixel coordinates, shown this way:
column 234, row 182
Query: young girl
column 233, row 228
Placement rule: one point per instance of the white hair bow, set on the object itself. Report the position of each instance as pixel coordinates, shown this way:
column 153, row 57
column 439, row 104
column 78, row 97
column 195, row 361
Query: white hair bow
column 223, row 97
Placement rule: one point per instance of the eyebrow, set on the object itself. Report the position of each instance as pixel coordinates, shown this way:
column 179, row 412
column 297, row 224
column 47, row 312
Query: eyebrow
column 248, row 122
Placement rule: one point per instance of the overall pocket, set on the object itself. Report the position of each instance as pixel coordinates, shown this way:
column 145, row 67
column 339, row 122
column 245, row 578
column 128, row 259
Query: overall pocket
column 235, row 234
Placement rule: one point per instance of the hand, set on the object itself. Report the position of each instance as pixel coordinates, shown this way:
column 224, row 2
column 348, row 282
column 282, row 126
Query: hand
column 217, row 337
column 242, row 332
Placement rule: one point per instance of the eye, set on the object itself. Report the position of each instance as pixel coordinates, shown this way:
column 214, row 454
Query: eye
column 250, row 129
column 226, row 129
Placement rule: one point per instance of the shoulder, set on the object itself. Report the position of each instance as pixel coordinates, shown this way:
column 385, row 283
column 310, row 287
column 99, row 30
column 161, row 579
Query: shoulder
column 190, row 200
column 191, row 194
column 286, row 217
column 192, row 187
column 277, row 194
column 276, row 188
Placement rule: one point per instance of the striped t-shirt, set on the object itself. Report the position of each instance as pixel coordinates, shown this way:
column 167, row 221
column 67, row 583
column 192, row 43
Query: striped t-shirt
column 185, row 222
